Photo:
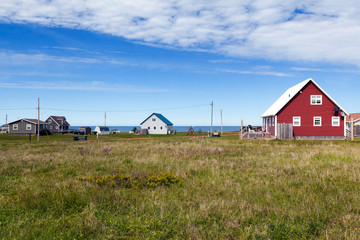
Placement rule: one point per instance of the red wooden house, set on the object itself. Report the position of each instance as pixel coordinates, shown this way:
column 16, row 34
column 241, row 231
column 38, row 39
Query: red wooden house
column 311, row 111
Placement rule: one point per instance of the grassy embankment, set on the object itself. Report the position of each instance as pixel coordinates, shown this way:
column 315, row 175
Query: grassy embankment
column 179, row 188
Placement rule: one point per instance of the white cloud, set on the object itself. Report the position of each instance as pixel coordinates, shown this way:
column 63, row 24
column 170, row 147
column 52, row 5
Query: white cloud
column 325, row 30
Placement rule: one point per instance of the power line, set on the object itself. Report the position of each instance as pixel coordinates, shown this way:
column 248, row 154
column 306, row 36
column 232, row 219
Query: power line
column 11, row 109
column 123, row 110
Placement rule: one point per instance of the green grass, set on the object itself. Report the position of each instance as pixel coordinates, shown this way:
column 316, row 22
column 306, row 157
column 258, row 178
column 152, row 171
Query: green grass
column 6, row 139
column 206, row 188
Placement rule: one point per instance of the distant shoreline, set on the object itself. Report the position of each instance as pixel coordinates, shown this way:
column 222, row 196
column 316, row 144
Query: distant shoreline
column 177, row 128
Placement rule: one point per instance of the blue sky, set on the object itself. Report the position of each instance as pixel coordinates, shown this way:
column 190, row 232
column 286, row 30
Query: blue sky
column 132, row 58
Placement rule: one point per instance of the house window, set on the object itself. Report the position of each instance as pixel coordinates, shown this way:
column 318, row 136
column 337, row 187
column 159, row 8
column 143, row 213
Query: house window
column 28, row 126
column 148, row 127
column 296, row 121
column 15, row 127
column 154, row 119
column 335, row 121
column 317, row 121
column 50, row 127
column 160, row 127
column 316, row 99
column 154, row 128
column 50, row 121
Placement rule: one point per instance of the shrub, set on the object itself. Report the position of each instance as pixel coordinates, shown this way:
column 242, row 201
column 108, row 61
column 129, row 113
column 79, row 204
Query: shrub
column 45, row 133
column 135, row 180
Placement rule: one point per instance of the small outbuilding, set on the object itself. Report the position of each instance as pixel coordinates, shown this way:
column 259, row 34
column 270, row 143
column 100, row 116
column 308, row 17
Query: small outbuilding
column 156, row 123
column 356, row 120
column 102, row 130
column 4, row 129
column 305, row 111
column 85, row 130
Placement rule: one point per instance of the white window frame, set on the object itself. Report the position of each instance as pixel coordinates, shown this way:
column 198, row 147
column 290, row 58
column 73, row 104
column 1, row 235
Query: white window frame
column 338, row 121
column 315, row 97
column 28, row 127
column 153, row 119
column 15, row 127
column 294, row 120
column 315, row 118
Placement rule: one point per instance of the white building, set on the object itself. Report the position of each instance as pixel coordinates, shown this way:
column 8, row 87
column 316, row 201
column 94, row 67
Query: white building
column 102, row 130
column 157, row 124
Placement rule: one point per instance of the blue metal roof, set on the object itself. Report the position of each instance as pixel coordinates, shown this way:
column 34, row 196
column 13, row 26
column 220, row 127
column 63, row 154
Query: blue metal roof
column 162, row 118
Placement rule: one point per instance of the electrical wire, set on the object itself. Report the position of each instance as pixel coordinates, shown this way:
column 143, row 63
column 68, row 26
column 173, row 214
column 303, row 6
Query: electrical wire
column 123, row 110
column 114, row 111
column 12, row 109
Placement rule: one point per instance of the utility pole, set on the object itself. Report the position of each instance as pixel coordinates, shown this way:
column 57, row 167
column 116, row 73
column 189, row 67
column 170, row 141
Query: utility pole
column 6, row 120
column 38, row 128
column 212, row 107
column 221, row 122
column 105, row 119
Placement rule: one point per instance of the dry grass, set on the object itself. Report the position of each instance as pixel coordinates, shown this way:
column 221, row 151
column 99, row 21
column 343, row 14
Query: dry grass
column 230, row 189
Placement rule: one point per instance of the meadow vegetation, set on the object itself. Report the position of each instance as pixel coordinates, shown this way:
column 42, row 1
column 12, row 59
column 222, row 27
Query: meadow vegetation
column 179, row 188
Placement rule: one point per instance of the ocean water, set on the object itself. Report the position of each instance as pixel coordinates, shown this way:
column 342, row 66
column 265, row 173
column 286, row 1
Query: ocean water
column 177, row 128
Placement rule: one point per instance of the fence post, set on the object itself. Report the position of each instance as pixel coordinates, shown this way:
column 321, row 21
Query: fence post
column 241, row 130
column 352, row 129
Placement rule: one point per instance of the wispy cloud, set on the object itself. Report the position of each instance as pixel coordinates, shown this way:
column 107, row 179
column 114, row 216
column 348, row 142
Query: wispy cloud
column 225, row 61
column 333, row 70
column 309, row 69
column 324, row 30
column 14, row 58
column 256, row 72
column 83, row 86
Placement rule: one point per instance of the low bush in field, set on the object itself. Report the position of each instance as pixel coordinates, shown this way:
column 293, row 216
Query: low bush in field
column 45, row 133
column 135, row 180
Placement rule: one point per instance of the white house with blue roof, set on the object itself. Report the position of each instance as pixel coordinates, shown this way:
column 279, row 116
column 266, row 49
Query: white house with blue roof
column 157, row 124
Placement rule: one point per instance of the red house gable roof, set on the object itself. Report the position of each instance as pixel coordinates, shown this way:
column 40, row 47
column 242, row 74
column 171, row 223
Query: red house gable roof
column 290, row 94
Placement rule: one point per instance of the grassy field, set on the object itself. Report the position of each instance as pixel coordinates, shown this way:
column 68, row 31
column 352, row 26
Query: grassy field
column 178, row 188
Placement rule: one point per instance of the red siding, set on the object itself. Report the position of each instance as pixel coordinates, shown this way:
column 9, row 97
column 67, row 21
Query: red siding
column 300, row 106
